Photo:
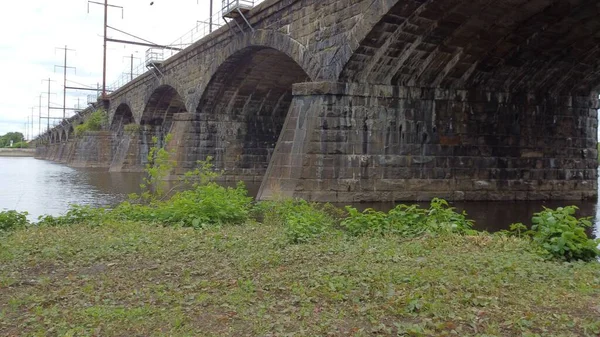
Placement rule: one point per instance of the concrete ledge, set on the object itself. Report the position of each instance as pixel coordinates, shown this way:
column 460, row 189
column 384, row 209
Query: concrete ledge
column 17, row 152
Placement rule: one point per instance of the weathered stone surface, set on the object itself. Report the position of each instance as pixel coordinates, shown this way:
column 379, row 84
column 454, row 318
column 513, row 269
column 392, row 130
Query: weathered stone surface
column 366, row 100
column 359, row 143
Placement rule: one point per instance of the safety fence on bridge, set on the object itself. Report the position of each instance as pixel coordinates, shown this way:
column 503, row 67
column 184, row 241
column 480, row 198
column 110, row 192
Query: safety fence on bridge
column 202, row 28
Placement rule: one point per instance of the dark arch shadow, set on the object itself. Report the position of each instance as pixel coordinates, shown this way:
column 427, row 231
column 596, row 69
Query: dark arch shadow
column 547, row 46
column 243, row 108
column 164, row 102
column 122, row 117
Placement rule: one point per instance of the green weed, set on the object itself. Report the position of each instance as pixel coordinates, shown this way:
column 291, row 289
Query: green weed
column 11, row 220
column 408, row 221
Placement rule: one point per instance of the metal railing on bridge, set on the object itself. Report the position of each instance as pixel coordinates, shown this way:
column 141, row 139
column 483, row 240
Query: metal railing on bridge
column 201, row 29
column 230, row 6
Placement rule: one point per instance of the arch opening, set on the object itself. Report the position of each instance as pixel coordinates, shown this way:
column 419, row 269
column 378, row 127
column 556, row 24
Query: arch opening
column 550, row 46
column 122, row 117
column 164, row 102
column 243, row 109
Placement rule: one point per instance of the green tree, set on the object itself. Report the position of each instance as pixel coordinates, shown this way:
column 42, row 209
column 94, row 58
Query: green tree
column 14, row 136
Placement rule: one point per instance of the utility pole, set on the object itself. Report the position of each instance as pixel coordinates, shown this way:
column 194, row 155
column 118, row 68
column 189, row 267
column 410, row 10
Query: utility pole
column 210, row 23
column 40, row 115
column 26, row 133
column 48, row 80
column 131, row 65
column 104, row 57
column 65, row 79
column 31, row 130
column 106, row 5
column 131, row 68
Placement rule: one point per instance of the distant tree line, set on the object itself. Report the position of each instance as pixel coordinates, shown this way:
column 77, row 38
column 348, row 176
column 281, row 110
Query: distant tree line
column 17, row 140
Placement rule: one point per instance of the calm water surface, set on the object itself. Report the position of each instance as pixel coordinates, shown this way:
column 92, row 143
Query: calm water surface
column 42, row 187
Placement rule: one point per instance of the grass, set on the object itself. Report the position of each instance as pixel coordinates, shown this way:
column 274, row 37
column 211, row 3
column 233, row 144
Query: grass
column 134, row 279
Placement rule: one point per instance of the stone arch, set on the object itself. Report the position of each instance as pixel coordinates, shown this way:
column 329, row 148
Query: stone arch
column 243, row 108
column 357, row 35
column 122, row 116
column 63, row 135
column 546, row 46
column 160, row 107
column 260, row 39
column 70, row 131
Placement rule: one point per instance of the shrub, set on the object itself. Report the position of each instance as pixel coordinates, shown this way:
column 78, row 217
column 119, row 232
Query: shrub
column 132, row 128
column 94, row 122
column 10, row 220
column 81, row 129
column 562, row 235
column 204, row 206
column 21, row 145
column 370, row 220
column 441, row 218
column 75, row 215
column 302, row 221
column 408, row 221
column 97, row 120
column 158, row 168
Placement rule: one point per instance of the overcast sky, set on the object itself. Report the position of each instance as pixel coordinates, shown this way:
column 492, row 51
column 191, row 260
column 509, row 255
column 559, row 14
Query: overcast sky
column 33, row 29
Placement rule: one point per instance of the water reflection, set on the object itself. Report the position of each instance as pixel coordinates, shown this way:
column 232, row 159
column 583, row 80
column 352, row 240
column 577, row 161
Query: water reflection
column 42, row 187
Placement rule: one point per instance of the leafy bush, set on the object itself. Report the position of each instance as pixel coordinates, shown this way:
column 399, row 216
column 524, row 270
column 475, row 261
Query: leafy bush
column 132, row 128
column 302, row 221
column 370, row 220
column 81, row 129
column 201, row 207
column 563, row 235
column 517, row 230
column 408, row 221
column 158, row 168
column 10, row 220
column 75, row 215
column 205, row 204
column 94, row 122
column 21, row 145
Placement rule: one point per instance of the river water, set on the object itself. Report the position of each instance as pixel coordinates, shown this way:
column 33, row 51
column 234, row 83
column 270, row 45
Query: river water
column 43, row 187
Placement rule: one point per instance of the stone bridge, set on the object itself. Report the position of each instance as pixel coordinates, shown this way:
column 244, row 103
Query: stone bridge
column 377, row 100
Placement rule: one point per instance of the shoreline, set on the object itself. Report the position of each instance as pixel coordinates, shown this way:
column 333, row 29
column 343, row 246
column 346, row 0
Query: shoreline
column 9, row 152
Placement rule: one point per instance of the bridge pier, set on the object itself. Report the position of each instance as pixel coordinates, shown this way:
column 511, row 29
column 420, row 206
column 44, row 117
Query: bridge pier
column 350, row 142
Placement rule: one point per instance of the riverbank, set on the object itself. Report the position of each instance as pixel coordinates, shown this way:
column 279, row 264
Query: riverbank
column 127, row 278
column 8, row 152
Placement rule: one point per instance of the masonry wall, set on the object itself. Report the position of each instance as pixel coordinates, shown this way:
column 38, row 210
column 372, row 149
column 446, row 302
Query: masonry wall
column 8, row 152
column 239, row 147
column 94, row 149
column 351, row 142
column 386, row 133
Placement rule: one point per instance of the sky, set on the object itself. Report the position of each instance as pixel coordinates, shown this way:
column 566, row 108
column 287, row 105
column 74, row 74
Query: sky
column 34, row 30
